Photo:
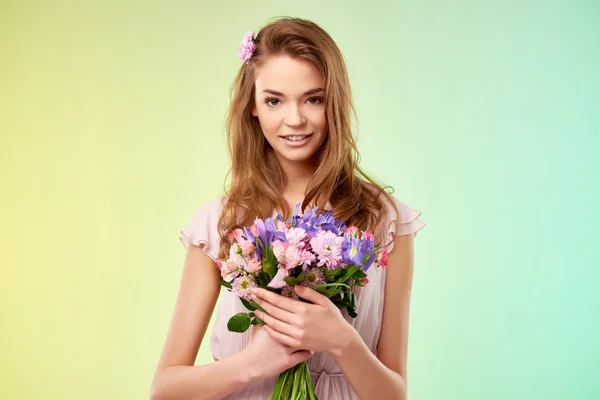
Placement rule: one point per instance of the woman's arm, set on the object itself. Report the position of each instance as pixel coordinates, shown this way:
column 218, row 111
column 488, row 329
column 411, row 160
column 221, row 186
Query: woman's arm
column 176, row 377
column 384, row 377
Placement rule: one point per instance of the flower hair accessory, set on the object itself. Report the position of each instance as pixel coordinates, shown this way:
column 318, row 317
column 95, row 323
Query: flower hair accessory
column 247, row 47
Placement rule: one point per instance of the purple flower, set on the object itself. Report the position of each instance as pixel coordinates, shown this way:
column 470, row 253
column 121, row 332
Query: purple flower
column 367, row 247
column 313, row 276
column 310, row 222
column 351, row 250
column 327, row 222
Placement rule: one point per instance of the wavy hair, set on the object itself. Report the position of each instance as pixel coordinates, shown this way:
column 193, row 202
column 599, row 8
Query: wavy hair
column 257, row 180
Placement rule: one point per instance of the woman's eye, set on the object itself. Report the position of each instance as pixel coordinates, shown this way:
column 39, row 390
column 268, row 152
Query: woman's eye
column 272, row 101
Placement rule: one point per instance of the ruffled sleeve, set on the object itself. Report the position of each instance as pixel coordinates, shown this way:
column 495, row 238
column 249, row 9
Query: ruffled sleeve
column 202, row 228
column 408, row 222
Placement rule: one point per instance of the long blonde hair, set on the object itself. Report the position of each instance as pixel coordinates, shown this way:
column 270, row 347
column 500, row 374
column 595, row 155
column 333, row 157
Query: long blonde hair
column 256, row 178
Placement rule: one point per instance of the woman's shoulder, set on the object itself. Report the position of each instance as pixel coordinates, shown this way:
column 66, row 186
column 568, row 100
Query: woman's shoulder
column 203, row 226
column 213, row 206
column 401, row 219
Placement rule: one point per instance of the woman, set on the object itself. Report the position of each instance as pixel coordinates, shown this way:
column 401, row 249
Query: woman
column 290, row 142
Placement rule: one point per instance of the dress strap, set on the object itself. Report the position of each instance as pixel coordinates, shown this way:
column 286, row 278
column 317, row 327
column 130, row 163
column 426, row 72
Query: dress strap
column 321, row 382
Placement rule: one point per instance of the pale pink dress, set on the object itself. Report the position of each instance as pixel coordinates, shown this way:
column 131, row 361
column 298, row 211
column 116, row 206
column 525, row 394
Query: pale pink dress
column 328, row 381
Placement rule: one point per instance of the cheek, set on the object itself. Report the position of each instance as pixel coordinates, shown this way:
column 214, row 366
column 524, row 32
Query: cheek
column 269, row 122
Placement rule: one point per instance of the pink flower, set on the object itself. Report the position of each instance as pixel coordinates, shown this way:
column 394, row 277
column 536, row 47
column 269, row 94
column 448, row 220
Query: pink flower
column 352, row 230
column 227, row 267
column 253, row 266
column 247, row 46
column 238, row 234
column 242, row 286
column 382, row 258
column 235, row 257
column 281, row 226
column 328, row 248
column 295, row 236
column 368, row 236
column 287, row 254
column 277, row 282
column 306, row 259
column 363, row 281
column 254, row 229
column 247, row 247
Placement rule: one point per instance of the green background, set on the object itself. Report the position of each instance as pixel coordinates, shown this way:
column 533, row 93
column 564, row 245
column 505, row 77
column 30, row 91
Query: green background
column 483, row 115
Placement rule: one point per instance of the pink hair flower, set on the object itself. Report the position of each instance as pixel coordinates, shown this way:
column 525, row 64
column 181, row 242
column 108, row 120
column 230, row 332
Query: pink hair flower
column 247, row 46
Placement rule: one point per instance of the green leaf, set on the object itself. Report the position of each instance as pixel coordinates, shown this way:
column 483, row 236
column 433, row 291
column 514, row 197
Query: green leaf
column 349, row 272
column 249, row 305
column 225, row 283
column 333, row 272
column 239, row 323
column 351, row 312
column 290, row 280
column 359, row 274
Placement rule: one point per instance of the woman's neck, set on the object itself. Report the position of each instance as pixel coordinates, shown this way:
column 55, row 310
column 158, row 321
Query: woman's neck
column 298, row 176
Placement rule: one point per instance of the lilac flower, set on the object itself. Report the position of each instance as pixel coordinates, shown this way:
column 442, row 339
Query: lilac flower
column 327, row 222
column 328, row 248
column 313, row 276
column 351, row 250
column 369, row 262
column 266, row 231
column 309, row 222
column 367, row 247
column 242, row 286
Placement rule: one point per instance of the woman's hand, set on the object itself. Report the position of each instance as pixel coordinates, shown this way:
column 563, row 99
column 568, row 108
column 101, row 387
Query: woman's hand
column 319, row 326
column 266, row 357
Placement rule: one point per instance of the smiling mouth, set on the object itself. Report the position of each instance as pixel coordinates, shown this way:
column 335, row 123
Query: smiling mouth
column 296, row 138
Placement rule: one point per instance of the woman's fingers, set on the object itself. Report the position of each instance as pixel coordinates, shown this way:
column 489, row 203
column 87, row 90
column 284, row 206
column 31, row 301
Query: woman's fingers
column 276, row 324
column 285, row 303
column 282, row 338
column 274, row 310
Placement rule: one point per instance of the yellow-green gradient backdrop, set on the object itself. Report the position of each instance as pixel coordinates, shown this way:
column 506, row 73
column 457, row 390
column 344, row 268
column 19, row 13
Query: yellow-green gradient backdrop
column 483, row 115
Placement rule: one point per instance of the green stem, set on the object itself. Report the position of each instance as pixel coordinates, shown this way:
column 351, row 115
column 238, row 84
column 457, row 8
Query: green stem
column 311, row 392
column 295, row 382
column 324, row 285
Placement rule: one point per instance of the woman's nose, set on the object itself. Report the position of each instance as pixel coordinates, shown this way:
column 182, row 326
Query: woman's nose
column 294, row 116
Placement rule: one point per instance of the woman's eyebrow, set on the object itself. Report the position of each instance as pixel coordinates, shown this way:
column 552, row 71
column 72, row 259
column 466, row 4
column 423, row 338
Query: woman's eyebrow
column 276, row 93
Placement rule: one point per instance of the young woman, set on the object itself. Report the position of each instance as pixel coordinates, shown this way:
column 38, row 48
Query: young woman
column 290, row 142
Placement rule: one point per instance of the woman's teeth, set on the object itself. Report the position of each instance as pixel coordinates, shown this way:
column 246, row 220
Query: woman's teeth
column 295, row 138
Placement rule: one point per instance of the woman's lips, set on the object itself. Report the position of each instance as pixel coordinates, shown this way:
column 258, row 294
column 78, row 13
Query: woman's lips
column 297, row 143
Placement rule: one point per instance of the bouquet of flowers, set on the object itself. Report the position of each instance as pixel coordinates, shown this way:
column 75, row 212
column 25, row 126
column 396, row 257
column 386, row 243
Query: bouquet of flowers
column 312, row 250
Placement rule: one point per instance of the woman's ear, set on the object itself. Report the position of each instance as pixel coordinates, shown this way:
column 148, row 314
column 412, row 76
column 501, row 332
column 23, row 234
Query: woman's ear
column 254, row 112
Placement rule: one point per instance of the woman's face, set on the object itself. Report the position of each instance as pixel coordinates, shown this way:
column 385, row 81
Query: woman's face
column 289, row 104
